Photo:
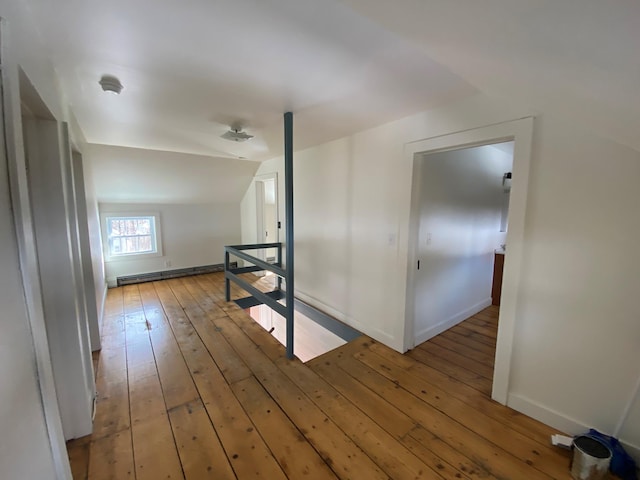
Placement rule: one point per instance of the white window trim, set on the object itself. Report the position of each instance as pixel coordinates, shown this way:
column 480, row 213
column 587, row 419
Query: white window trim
column 131, row 256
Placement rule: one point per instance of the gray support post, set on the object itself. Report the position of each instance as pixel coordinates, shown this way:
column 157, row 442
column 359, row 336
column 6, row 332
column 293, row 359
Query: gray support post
column 280, row 264
column 227, row 283
column 288, row 199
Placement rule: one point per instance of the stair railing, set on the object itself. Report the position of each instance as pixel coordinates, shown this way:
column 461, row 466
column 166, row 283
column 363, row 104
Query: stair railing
column 257, row 265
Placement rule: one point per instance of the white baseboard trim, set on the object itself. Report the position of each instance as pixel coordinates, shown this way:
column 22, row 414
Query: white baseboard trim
column 559, row 421
column 430, row 332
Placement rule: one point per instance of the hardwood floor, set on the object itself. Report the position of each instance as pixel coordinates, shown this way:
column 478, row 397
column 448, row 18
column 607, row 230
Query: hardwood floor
column 191, row 387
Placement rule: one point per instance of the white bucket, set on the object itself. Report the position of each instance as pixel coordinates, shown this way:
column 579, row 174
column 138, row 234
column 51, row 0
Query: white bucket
column 591, row 459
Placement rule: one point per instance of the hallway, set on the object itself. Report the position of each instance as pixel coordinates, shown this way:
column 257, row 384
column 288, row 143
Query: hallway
column 466, row 351
column 190, row 387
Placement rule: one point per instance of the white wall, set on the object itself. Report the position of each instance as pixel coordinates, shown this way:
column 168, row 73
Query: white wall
column 461, row 196
column 197, row 197
column 577, row 337
column 352, row 196
column 136, row 175
column 24, row 444
column 192, row 235
column 630, row 429
column 32, row 444
column 577, row 330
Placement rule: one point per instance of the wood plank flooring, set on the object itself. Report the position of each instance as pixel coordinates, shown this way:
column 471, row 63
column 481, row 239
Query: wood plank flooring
column 190, row 387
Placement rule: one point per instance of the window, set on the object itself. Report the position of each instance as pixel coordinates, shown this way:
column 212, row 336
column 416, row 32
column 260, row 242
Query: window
column 131, row 235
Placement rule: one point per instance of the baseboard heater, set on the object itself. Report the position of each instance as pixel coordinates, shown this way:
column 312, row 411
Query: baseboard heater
column 166, row 274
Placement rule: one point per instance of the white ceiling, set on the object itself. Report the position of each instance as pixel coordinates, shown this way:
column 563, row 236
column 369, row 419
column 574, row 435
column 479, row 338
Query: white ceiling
column 505, row 147
column 192, row 68
column 579, row 59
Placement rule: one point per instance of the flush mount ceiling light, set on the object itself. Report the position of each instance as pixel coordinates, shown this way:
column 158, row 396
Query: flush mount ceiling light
column 109, row 83
column 235, row 134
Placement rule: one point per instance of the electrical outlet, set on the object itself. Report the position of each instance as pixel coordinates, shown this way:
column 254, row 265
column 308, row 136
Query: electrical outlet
column 429, row 238
column 167, row 263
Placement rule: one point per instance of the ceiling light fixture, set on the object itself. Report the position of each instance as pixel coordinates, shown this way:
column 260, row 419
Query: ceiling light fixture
column 235, row 134
column 109, row 83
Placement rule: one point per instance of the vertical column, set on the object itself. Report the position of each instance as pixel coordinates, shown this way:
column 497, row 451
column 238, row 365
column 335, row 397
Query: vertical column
column 288, row 198
column 227, row 284
column 279, row 264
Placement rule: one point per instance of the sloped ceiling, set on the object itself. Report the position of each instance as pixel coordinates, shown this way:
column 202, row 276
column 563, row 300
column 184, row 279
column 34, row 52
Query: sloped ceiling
column 577, row 58
column 133, row 175
column 192, row 68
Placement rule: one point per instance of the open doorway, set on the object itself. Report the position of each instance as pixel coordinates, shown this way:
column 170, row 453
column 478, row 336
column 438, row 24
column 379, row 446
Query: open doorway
column 461, row 209
column 520, row 133
column 461, row 238
column 267, row 214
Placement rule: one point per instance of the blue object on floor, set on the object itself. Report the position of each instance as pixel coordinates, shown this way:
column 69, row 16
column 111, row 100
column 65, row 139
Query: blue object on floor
column 622, row 464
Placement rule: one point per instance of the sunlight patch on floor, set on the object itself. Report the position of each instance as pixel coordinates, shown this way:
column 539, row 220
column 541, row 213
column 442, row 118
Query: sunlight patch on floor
column 310, row 339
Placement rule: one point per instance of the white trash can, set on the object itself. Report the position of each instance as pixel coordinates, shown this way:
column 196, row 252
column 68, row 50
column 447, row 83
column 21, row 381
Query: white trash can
column 591, row 459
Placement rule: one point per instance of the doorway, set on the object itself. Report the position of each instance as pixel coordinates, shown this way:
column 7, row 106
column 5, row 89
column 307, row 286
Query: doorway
column 520, row 132
column 267, row 223
column 461, row 210
column 462, row 230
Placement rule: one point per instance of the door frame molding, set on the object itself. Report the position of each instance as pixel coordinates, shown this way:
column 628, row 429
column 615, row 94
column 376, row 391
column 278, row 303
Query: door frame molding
column 521, row 132
column 260, row 221
column 13, row 82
